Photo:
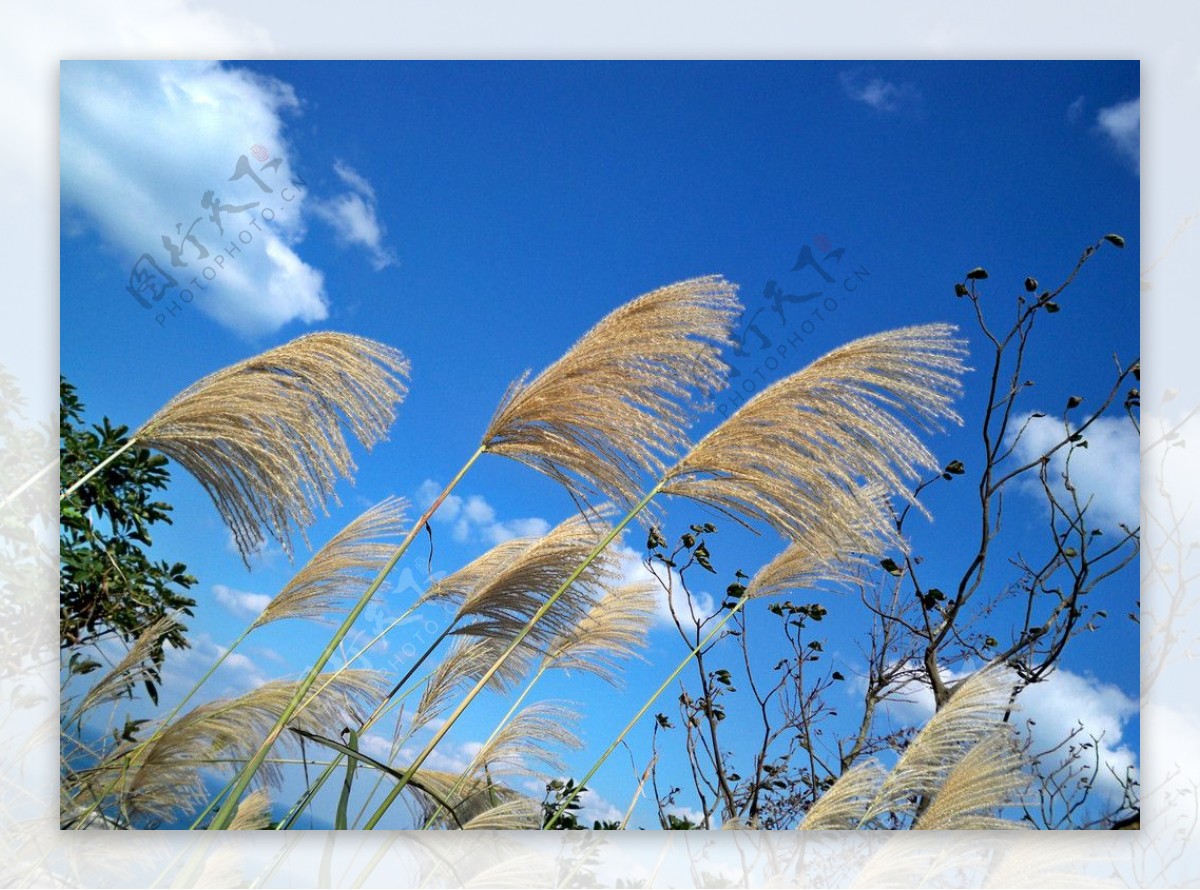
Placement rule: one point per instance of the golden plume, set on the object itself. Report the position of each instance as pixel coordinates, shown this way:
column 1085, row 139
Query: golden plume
column 353, row 555
column 264, row 436
column 794, row 455
column 616, row 405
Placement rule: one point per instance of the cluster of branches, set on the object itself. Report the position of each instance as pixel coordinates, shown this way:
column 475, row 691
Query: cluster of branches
column 816, row 458
column 1006, row 605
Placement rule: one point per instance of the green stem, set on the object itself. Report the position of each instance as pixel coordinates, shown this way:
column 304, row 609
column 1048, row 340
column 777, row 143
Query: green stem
column 483, row 681
column 96, row 469
column 646, row 707
column 225, row 814
column 366, row 724
column 499, row 726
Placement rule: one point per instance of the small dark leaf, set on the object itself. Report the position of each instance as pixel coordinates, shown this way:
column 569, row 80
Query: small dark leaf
column 977, row 274
column 960, row 290
column 689, row 541
column 735, row 591
column 1115, row 240
column 655, row 539
column 837, row 675
column 889, row 566
column 1070, row 552
column 955, row 468
column 1074, row 402
column 1031, row 284
column 1052, row 307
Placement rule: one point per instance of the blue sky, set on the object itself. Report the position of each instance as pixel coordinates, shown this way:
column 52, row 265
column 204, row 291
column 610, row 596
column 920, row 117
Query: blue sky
column 481, row 216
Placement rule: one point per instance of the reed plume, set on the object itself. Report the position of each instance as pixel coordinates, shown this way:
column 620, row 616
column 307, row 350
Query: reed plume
column 794, row 454
column 253, row 812
column 349, row 559
column 168, row 776
column 264, row 436
column 616, row 405
column 964, row 764
column 613, row 631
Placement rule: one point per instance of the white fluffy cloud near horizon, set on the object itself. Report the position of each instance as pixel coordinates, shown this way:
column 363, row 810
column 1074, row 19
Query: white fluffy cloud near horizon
column 143, row 144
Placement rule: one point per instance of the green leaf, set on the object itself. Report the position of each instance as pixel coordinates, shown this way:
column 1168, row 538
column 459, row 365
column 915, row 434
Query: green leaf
column 1070, row 552
column 655, row 539
column 977, row 274
column 1052, row 307
column 1114, row 239
column 339, row 821
column 960, row 290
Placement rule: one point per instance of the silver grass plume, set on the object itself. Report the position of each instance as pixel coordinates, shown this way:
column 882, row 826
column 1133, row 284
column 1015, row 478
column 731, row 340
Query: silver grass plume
column 501, row 605
column 131, row 669
column 614, row 630
column 826, row 558
column 253, row 812
column 535, row 733
column 476, row 803
column 467, row 660
column 990, row 775
column 167, row 777
column 964, row 762
column 346, row 563
column 795, row 454
column 973, row 714
column 843, row 804
column 265, row 436
column 616, row 406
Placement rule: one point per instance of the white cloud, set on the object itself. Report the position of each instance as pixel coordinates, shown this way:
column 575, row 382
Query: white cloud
column 1106, row 472
column 1075, row 109
column 472, row 519
column 239, row 673
column 1121, row 124
column 354, row 216
column 1056, row 706
column 880, row 94
column 593, row 806
column 239, row 602
column 143, row 144
column 634, row 571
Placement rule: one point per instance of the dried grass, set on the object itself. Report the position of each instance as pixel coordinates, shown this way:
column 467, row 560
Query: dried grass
column 617, row 405
column 338, row 571
column 264, row 436
column 795, row 455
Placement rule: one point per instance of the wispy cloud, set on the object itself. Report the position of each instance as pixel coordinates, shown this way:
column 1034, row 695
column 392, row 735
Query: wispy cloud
column 1121, row 126
column 473, row 519
column 239, row 602
column 1106, row 474
column 882, row 95
column 634, row 571
column 150, row 150
column 1075, row 109
column 354, row 216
